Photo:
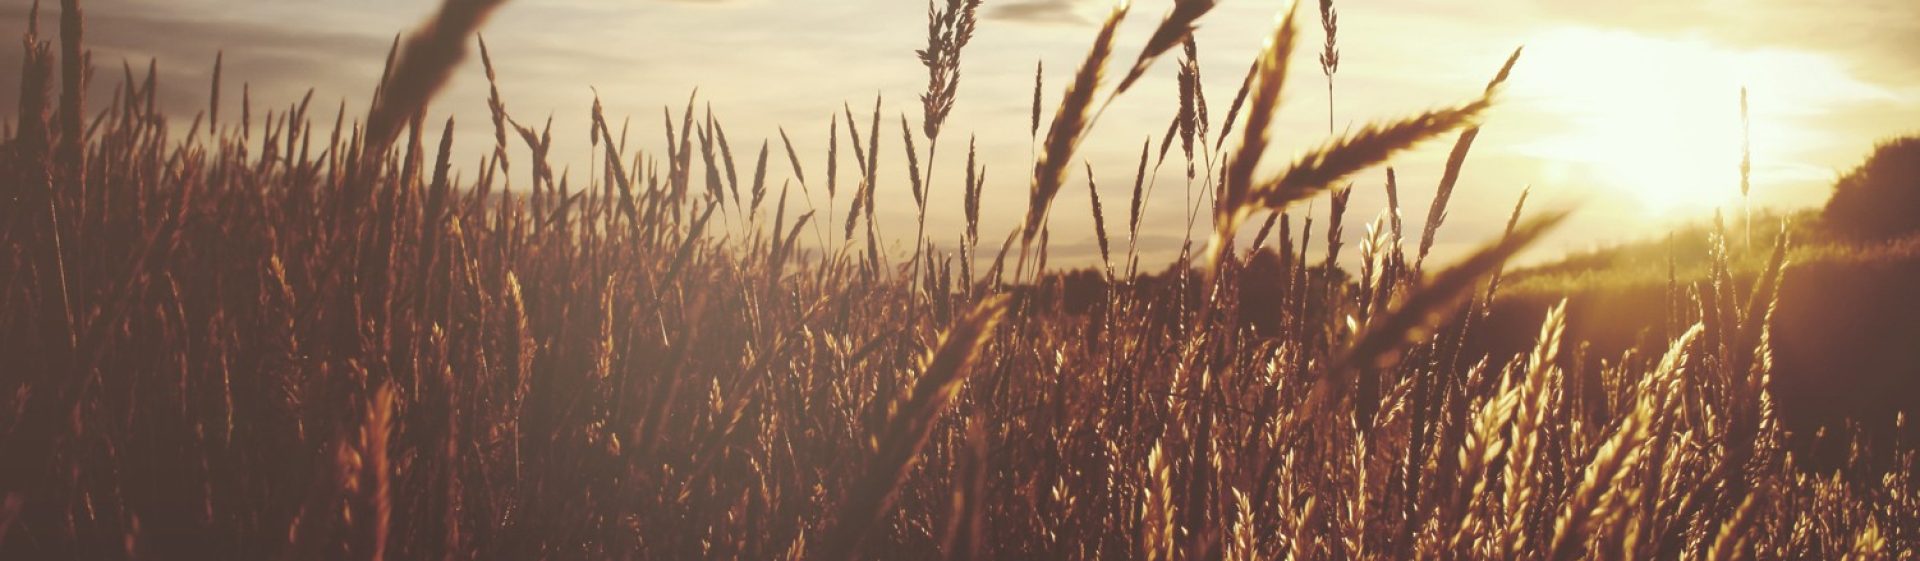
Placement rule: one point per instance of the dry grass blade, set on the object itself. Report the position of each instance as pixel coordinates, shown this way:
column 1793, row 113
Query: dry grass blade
column 1173, row 29
column 868, row 501
column 423, row 67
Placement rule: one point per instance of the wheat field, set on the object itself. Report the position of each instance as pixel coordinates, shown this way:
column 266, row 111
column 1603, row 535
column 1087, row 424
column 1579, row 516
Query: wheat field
column 289, row 335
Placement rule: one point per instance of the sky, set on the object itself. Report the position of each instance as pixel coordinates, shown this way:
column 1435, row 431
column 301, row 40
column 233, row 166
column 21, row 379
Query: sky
column 1626, row 111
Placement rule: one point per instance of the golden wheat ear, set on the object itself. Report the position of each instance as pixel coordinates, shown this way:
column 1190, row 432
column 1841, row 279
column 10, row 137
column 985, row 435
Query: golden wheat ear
column 1099, row 222
column 1070, row 124
column 868, row 501
column 1513, row 411
column 1371, row 146
column 1262, row 89
column 1456, row 159
column 1386, row 338
column 1735, row 535
column 1334, row 162
column 1606, row 475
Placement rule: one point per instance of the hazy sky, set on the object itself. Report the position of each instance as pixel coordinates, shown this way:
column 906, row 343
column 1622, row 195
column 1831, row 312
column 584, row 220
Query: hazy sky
column 1628, row 110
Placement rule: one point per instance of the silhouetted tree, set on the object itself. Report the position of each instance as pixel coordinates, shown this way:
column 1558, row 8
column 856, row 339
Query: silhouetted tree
column 1880, row 199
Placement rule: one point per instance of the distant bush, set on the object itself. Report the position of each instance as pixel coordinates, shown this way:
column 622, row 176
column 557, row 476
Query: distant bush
column 1880, row 199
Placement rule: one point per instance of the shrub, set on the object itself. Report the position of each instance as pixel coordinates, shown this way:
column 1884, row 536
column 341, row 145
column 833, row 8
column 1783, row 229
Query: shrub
column 1880, row 199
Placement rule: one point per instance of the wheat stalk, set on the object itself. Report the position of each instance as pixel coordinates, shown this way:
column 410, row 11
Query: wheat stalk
column 1269, row 75
column 1455, row 160
column 423, row 67
column 1174, row 29
column 1070, row 124
column 1330, row 52
column 946, row 369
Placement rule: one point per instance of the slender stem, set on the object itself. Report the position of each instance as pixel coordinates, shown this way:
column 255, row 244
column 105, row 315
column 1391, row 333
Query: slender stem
column 919, row 239
column 1329, row 104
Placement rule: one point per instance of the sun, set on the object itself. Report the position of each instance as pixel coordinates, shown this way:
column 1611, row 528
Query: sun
column 1658, row 120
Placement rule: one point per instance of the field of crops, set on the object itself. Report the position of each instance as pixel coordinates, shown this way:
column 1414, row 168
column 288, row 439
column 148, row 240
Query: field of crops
column 282, row 335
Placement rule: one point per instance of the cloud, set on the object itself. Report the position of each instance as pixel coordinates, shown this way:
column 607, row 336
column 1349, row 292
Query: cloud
column 1038, row 11
column 284, row 60
column 1881, row 37
column 279, row 60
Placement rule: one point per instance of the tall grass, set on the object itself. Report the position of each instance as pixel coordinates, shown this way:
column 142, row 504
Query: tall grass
column 257, row 341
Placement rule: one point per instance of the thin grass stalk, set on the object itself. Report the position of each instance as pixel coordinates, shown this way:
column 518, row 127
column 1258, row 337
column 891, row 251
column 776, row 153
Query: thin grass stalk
column 1070, row 124
column 1330, row 52
column 1455, row 160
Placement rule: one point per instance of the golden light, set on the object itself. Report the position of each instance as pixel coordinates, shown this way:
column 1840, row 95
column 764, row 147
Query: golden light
column 1658, row 120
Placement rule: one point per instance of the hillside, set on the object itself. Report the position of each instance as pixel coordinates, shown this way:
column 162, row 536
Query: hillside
column 1842, row 330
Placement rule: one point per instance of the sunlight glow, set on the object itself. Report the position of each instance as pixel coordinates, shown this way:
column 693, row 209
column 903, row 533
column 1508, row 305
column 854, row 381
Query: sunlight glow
column 1660, row 118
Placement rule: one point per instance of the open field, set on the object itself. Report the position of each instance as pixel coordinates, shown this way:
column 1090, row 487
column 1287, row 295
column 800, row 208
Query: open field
column 290, row 335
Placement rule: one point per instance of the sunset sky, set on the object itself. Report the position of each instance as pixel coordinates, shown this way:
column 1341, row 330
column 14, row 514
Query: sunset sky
column 1628, row 110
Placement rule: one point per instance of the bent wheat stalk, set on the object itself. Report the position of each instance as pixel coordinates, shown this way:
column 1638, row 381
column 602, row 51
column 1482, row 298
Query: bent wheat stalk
column 423, row 68
column 865, row 504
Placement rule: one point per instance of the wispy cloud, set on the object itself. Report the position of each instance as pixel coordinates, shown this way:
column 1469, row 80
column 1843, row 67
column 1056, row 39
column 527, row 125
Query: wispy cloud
column 1038, row 11
column 280, row 61
column 1881, row 37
